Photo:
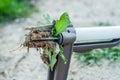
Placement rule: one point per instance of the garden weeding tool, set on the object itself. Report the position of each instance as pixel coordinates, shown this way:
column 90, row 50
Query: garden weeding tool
column 96, row 37
column 81, row 40
column 66, row 39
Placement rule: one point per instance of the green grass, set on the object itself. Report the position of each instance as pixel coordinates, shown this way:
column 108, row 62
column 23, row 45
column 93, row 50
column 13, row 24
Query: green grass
column 95, row 56
column 11, row 9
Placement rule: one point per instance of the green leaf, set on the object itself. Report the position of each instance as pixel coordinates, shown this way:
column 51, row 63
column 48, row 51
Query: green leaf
column 48, row 52
column 63, row 57
column 53, row 60
column 49, row 55
column 62, row 23
column 47, row 18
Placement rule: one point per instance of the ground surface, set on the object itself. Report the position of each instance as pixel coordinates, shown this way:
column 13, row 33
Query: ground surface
column 18, row 65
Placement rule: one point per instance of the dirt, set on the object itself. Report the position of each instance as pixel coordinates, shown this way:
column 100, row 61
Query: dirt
column 30, row 66
column 35, row 39
column 32, row 39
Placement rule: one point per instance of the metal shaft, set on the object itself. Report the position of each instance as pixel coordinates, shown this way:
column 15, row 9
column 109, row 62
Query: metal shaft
column 45, row 39
column 95, row 34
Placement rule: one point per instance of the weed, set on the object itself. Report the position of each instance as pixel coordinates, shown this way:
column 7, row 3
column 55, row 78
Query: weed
column 11, row 9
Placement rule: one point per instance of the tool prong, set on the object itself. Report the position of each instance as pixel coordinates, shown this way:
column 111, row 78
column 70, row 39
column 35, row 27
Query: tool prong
column 44, row 39
column 44, row 27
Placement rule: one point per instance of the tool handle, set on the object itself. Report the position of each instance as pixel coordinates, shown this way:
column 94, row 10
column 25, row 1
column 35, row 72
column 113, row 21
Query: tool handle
column 97, row 34
column 83, row 47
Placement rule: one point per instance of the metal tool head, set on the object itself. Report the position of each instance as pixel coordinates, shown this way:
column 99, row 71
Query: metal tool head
column 43, row 28
column 45, row 39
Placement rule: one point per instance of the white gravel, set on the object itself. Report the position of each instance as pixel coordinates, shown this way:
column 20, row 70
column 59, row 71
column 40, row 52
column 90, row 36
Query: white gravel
column 30, row 67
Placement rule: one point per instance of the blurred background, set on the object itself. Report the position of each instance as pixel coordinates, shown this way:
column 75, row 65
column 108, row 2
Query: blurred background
column 17, row 64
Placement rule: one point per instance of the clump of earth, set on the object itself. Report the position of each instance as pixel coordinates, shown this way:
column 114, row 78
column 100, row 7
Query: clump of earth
column 33, row 40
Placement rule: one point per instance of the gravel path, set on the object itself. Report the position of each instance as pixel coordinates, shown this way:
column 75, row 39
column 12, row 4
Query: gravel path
column 20, row 65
